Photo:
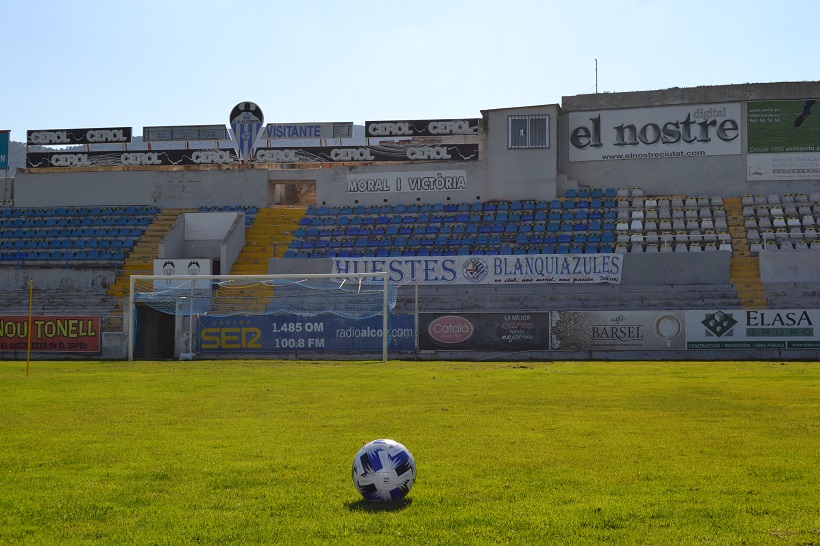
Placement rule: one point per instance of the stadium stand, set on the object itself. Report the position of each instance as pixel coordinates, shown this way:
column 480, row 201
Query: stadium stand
column 691, row 231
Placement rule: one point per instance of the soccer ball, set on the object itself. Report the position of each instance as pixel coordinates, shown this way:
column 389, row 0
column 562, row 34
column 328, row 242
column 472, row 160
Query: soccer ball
column 384, row 470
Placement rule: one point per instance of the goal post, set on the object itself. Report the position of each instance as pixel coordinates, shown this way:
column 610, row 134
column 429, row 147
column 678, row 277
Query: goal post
column 351, row 296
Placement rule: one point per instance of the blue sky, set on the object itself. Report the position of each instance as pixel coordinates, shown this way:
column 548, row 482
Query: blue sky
column 84, row 63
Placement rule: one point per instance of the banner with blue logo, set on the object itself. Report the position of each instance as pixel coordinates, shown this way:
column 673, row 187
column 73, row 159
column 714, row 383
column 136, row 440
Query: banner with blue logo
column 295, row 333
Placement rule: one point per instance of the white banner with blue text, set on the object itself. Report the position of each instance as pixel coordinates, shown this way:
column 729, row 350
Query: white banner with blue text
column 482, row 269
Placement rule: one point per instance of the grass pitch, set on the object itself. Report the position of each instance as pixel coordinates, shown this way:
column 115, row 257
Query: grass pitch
column 260, row 452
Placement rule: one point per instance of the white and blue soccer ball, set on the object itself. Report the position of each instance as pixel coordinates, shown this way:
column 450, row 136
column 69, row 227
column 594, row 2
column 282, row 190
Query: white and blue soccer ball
column 384, row 470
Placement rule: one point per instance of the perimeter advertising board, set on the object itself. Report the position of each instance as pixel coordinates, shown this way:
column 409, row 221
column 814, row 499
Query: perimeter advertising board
column 753, row 329
column 523, row 269
column 289, row 333
column 51, row 333
column 617, row 330
column 783, row 140
column 654, row 133
column 484, row 331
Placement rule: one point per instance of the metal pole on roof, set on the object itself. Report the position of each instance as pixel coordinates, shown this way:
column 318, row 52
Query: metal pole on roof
column 596, row 76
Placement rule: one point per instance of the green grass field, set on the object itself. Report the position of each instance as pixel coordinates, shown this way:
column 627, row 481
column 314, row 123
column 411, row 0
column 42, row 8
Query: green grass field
column 260, row 452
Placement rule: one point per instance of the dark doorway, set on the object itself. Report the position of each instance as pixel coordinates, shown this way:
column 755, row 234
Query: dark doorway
column 154, row 336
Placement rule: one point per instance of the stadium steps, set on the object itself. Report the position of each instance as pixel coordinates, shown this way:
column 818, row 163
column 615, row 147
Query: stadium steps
column 140, row 262
column 268, row 237
column 744, row 268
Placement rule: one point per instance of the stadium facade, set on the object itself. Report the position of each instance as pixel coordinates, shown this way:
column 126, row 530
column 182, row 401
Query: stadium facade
column 680, row 171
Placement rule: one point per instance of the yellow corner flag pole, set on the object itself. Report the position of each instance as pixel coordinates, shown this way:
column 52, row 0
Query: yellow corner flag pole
column 30, row 307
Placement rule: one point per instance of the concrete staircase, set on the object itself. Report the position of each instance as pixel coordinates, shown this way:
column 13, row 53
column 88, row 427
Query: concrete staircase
column 141, row 261
column 744, row 268
column 268, row 237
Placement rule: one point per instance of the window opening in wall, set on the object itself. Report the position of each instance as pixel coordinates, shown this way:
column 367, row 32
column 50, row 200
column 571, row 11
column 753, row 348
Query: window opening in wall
column 528, row 131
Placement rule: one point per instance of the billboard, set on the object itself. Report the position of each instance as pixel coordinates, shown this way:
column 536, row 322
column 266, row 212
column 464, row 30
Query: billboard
column 753, row 329
column 655, row 133
column 311, row 130
column 68, row 137
column 352, row 154
column 517, row 269
column 289, row 333
column 4, row 150
column 484, row 331
column 185, row 133
column 422, row 127
column 159, row 158
column 783, row 140
column 51, row 333
column 617, row 330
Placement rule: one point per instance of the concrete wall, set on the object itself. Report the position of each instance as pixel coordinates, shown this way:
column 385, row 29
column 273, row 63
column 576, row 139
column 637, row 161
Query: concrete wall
column 519, row 173
column 794, row 266
column 167, row 188
column 53, row 279
column 214, row 235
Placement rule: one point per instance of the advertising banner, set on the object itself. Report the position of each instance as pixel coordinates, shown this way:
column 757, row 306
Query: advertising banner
column 753, row 329
column 41, row 160
column 4, row 150
column 311, row 130
column 289, row 333
column 170, row 268
column 657, row 132
column 422, row 127
column 783, row 140
column 67, row 137
column 417, row 181
column 51, row 333
column 184, row 133
column 617, row 330
column 353, row 154
column 484, row 331
column 523, row 269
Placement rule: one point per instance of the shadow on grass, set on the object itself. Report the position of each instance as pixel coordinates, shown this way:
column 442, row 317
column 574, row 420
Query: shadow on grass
column 389, row 506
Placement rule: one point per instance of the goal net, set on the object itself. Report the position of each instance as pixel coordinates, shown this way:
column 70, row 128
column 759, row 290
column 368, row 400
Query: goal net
column 352, row 296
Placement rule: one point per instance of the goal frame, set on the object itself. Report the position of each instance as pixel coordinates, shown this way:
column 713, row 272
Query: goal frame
column 130, row 313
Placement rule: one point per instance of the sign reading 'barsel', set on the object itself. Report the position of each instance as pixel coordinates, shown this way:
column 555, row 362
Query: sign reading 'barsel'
column 422, row 127
column 50, row 137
